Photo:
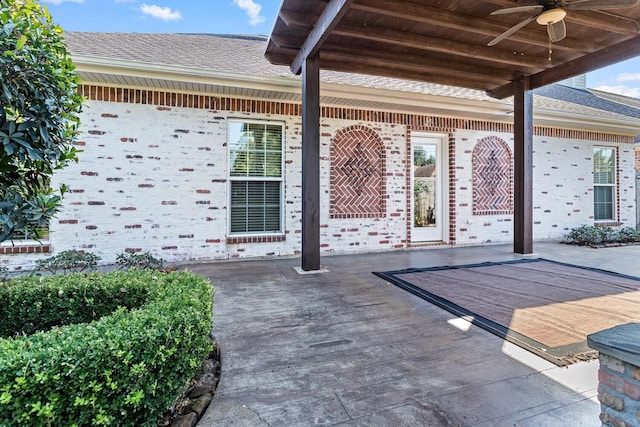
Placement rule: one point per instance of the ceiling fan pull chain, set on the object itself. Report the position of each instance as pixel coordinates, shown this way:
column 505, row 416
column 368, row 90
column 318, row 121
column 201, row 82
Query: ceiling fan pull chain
column 550, row 50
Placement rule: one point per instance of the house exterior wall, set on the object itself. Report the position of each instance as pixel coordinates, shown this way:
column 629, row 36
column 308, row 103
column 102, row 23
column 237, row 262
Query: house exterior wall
column 562, row 187
column 153, row 176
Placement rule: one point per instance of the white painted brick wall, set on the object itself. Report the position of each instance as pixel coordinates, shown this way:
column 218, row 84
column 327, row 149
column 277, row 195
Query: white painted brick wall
column 155, row 179
column 562, row 189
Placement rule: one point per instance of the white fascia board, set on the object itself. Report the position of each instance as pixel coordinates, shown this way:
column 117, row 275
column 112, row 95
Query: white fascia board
column 183, row 74
column 619, row 125
column 464, row 108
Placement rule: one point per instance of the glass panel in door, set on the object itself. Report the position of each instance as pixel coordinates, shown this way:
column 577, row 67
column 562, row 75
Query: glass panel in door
column 427, row 188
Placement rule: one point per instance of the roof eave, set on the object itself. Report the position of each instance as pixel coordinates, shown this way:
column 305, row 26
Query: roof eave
column 290, row 87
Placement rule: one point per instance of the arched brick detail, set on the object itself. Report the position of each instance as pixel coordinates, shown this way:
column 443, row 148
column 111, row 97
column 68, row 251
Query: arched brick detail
column 358, row 184
column 492, row 177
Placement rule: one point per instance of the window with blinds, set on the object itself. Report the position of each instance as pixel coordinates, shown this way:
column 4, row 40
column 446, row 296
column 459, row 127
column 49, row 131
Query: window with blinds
column 604, row 183
column 255, row 177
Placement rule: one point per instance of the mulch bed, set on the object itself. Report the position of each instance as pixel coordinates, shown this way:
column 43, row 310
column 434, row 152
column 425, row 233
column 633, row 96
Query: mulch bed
column 191, row 406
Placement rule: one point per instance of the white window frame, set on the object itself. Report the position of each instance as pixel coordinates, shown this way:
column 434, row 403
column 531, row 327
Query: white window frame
column 231, row 179
column 613, row 185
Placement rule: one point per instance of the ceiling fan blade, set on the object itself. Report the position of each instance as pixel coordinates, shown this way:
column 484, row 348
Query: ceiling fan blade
column 512, row 30
column 557, row 31
column 537, row 8
column 599, row 4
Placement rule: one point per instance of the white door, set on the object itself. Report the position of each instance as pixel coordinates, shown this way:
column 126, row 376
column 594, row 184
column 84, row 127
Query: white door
column 427, row 182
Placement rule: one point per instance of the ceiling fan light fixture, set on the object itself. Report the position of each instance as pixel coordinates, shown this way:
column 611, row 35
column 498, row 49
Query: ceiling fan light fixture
column 551, row 16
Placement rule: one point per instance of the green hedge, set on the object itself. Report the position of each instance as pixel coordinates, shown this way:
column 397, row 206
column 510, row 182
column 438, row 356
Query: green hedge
column 32, row 304
column 124, row 369
column 597, row 235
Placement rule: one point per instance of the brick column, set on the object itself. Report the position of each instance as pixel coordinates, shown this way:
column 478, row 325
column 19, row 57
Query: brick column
column 619, row 375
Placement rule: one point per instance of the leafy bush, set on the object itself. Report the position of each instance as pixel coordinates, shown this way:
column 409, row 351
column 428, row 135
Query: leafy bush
column 584, row 235
column 4, row 273
column 628, row 234
column 139, row 261
column 33, row 304
column 124, row 369
column 67, row 261
column 39, row 115
column 591, row 235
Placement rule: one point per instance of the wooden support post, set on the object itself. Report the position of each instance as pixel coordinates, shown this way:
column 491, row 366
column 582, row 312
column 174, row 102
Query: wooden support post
column 311, row 164
column 523, row 167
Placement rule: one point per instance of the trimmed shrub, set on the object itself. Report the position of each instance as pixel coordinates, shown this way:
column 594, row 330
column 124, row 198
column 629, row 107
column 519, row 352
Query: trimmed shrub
column 628, row 234
column 592, row 235
column 124, row 369
column 139, row 261
column 69, row 261
column 32, row 303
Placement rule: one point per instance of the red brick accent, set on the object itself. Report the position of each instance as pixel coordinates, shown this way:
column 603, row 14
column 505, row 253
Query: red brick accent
column 25, row 248
column 492, row 177
column 173, row 99
column 254, row 239
column 612, row 421
column 358, row 187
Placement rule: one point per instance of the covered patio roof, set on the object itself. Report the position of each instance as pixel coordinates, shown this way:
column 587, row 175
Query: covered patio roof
column 446, row 41
column 457, row 43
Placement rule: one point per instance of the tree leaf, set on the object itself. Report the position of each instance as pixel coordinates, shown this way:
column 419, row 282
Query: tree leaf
column 21, row 41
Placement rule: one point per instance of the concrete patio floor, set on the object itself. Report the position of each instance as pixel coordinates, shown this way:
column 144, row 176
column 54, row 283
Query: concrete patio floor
column 346, row 348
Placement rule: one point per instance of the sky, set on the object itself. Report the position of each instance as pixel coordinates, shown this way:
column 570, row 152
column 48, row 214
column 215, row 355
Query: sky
column 241, row 17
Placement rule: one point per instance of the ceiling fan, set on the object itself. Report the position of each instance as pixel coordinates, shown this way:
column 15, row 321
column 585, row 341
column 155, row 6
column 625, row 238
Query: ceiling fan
column 551, row 13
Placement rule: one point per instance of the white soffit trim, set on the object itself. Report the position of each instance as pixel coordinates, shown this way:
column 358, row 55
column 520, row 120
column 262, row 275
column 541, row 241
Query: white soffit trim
column 286, row 85
column 290, row 88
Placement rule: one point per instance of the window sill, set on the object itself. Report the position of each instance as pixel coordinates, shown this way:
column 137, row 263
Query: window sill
column 607, row 223
column 25, row 247
column 231, row 240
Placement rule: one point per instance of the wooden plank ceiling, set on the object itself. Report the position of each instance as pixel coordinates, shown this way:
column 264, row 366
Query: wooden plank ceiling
column 446, row 42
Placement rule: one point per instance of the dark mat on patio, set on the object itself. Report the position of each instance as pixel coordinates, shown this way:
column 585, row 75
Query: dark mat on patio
column 544, row 306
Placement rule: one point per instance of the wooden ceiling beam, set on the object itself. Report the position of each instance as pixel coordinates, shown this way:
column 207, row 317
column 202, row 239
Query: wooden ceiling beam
column 428, row 15
column 295, row 19
column 280, row 58
column 433, row 44
column 417, row 64
column 603, row 21
column 372, row 69
column 286, row 42
column 627, row 49
column 332, row 14
column 403, row 38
